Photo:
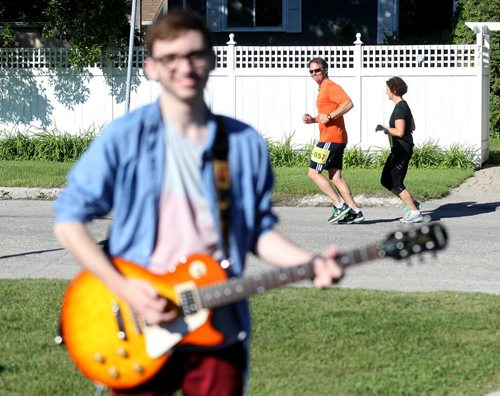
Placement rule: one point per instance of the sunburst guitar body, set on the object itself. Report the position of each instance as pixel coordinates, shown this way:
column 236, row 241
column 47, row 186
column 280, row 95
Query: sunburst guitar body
column 114, row 347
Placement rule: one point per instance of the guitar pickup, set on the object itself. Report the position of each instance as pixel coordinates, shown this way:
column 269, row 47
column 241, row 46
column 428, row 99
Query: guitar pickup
column 190, row 302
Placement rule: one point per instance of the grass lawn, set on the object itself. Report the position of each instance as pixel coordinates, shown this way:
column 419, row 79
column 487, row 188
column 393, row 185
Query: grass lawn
column 305, row 342
column 46, row 174
column 291, row 182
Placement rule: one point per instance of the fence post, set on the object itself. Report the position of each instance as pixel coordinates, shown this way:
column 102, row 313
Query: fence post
column 358, row 88
column 485, row 96
column 231, row 66
column 482, row 101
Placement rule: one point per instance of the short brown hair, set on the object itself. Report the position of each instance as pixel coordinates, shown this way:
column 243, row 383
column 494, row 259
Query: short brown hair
column 319, row 61
column 397, row 86
column 173, row 24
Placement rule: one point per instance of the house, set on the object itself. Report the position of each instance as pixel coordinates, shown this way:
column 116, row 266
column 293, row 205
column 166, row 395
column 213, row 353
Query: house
column 148, row 11
column 326, row 22
column 292, row 22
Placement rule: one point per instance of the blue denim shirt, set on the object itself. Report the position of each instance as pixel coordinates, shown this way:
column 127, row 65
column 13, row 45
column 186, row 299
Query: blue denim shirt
column 122, row 172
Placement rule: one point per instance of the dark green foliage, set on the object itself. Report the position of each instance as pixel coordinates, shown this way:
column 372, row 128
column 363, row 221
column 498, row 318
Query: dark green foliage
column 428, row 155
column 92, row 26
column 482, row 11
column 53, row 146
column 286, row 154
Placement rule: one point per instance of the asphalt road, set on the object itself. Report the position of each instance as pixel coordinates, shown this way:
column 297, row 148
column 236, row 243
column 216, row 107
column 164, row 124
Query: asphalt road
column 470, row 263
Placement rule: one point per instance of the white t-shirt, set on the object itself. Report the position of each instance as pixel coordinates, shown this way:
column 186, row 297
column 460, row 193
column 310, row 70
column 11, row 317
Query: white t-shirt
column 185, row 225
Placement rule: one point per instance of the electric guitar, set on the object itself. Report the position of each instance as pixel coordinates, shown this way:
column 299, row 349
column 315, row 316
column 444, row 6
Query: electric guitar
column 114, row 347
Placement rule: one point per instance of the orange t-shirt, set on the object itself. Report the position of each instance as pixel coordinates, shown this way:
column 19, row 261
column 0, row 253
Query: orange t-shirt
column 330, row 96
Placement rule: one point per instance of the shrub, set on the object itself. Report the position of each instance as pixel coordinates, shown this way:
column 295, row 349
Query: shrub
column 427, row 155
column 286, row 154
column 62, row 147
column 44, row 145
column 458, row 157
column 355, row 157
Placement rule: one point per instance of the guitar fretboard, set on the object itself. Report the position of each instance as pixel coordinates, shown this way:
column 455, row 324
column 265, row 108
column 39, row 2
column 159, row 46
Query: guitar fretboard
column 236, row 289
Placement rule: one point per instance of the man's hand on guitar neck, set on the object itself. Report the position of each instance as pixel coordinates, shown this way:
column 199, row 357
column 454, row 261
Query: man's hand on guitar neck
column 326, row 269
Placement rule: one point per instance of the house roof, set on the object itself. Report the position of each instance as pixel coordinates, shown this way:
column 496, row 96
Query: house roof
column 149, row 10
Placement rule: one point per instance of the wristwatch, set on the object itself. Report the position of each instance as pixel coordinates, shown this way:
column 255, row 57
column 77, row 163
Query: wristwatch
column 329, row 117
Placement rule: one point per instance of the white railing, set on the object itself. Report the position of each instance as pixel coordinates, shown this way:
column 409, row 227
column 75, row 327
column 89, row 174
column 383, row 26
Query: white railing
column 268, row 87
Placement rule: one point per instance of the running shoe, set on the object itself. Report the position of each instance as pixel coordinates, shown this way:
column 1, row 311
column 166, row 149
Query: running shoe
column 412, row 217
column 338, row 214
column 352, row 217
column 417, row 204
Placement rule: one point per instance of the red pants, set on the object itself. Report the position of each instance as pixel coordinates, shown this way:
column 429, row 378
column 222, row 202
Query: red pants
column 216, row 373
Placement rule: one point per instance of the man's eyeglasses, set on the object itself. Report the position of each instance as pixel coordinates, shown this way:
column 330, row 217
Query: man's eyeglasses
column 315, row 71
column 195, row 59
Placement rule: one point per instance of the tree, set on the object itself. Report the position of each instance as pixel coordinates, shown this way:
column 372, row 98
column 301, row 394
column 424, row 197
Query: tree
column 91, row 26
column 482, row 11
column 21, row 12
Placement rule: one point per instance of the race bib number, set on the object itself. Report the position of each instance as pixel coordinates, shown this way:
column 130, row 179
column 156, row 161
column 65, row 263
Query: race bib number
column 319, row 155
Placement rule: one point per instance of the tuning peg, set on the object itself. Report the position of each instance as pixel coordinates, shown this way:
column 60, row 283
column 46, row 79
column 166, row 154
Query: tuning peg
column 425, row 229
column 427, row 219
column 416, row 248
column 403, row 253
column 430, row 245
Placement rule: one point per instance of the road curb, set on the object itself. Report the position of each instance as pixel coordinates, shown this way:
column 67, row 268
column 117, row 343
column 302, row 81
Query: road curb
column 7, row 193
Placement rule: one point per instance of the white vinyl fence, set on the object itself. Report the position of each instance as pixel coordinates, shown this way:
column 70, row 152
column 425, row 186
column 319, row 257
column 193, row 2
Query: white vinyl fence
column 268, row 87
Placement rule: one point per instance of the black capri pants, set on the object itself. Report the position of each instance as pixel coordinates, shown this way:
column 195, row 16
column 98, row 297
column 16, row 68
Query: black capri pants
column 396, row 167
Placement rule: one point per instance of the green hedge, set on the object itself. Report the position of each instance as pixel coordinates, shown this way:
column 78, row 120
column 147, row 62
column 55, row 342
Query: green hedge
column 48, row 146
column 51, row 146
column 482, row 11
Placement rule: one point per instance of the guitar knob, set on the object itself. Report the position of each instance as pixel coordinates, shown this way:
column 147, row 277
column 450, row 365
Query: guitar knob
column 138, row 368
column 114, row 372
column 99, row 358
column 122, row 352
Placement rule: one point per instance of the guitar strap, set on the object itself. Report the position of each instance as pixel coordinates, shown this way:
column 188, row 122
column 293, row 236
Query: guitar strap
column 222, row 180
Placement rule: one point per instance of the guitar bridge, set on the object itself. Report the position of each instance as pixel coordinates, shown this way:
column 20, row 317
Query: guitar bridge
column 190, row 302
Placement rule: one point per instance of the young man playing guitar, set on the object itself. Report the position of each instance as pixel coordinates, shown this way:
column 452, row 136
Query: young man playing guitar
column 158, row 170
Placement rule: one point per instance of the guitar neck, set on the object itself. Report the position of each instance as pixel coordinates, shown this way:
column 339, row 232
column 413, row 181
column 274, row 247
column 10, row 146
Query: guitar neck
column 236, row 289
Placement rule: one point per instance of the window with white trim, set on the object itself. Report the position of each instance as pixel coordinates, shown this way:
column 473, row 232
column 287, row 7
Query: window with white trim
column 255, row 15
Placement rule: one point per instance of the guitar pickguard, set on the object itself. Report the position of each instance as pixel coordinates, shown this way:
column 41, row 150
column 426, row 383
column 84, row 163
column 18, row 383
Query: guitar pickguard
column 161, row 339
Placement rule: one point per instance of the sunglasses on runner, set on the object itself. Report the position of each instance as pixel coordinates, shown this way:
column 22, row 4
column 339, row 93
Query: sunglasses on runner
column 315, row 71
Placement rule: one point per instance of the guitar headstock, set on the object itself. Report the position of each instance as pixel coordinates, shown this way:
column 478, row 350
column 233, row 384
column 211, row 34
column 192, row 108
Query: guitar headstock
column 425, row 238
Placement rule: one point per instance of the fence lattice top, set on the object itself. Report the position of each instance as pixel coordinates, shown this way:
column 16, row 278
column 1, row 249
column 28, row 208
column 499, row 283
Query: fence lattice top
column 269, row 57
